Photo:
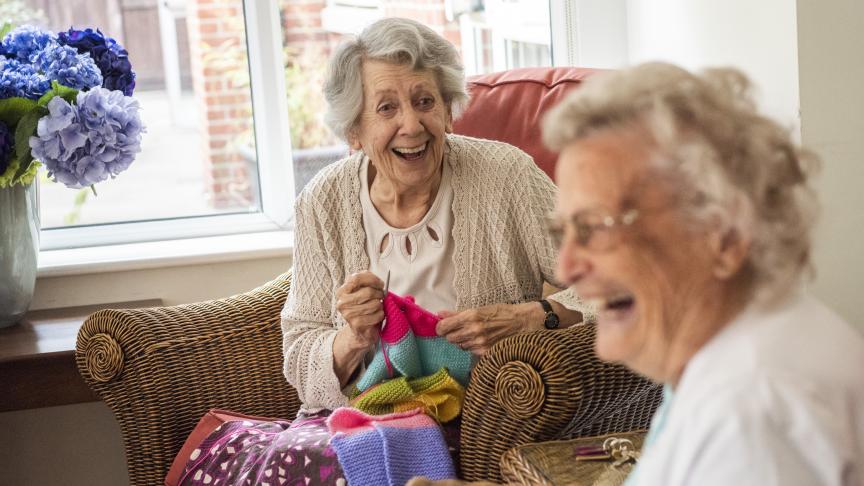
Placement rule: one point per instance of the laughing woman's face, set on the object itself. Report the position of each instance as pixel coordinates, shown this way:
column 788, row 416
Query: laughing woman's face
column 403, row 125
column 627, row 249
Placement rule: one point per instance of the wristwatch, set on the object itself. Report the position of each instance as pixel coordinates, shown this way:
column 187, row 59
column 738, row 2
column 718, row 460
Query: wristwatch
column 552, row 320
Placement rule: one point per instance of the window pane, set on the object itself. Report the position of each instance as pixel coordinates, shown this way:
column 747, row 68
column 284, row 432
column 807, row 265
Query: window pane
column 492, row 35
column 197, row 157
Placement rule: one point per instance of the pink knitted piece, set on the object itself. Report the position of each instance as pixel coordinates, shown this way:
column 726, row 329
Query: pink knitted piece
column 350, row 421
column 403, row 314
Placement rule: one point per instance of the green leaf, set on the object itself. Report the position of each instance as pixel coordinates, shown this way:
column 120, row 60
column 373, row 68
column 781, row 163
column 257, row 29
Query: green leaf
column 29, row 173
column 12, row 109
column 57, row 89
column 7, row 27
column 25, row 129
column 7, row 178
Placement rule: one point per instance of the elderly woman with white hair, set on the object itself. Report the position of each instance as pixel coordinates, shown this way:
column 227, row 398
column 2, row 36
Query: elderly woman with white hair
column 686, row 219
column 443, row 214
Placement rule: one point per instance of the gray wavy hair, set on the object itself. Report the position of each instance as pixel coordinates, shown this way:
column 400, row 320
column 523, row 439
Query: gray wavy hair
column 398, row 41
column 738, row 169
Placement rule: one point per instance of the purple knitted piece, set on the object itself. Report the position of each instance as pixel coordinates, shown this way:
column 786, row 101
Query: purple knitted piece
column 360, row 456
column 415, row 452
column 406, row 453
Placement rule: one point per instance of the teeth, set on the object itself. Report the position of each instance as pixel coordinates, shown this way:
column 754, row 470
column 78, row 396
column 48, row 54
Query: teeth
column 606, row 302
column 411, row 150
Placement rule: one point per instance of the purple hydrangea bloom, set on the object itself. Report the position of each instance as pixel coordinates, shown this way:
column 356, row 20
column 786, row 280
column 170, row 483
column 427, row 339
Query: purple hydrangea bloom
column 110, row 56
column 88, row 142
column 64, row 65
column 5, row 147
column 25, row 42
column 21, row 80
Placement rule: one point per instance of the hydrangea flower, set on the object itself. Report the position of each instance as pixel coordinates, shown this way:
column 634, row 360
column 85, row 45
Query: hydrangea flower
column 6, row 141
column 110, row 56
column 86, row 143
column 67, row 67
column 18, row 79
column 25, row 42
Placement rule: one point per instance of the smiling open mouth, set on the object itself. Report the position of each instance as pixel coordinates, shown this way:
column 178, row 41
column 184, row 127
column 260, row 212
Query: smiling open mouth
column 616, row 306
column 411, row 153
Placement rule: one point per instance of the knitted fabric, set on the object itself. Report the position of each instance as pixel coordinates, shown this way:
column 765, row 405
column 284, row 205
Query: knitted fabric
column 410, row 444
column 439, row 395
column 502, row 250
column 410, row 347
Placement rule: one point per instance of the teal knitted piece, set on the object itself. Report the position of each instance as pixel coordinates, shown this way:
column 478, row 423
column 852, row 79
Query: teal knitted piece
column 410, row 347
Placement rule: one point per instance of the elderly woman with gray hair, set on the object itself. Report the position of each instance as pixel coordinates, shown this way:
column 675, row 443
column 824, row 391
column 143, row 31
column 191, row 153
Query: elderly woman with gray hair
column 686, row 219
column 441, row 213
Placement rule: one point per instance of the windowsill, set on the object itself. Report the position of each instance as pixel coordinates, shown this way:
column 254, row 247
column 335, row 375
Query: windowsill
column 168, row 253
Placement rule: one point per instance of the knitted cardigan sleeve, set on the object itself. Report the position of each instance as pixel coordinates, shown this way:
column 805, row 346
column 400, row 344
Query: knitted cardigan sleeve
column 536, row 196
column 308, row 323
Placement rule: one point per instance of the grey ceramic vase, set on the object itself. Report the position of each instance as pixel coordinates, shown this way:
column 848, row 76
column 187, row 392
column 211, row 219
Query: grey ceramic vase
column 19, row 248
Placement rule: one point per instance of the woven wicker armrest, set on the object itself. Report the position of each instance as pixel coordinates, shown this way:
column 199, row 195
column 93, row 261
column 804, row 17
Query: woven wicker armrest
column 543, row 386
column 160, row 369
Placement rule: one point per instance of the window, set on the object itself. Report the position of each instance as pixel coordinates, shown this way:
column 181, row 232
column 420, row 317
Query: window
column 221, row 84
column 202, row 157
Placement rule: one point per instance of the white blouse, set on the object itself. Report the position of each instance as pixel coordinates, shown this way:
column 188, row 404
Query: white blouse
column 419, row 258
column 775, row 399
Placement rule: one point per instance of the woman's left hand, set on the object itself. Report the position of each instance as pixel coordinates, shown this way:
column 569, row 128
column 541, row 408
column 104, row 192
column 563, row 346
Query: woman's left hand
column 477, row 330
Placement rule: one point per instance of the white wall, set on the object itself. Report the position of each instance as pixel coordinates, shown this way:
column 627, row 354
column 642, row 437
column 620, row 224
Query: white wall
column 758, row 37
column 831, row 60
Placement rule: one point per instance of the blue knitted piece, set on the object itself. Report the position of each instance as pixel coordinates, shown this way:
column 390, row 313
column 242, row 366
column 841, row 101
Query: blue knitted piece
column 416, row 452
column 457, row 361
column 404, row 358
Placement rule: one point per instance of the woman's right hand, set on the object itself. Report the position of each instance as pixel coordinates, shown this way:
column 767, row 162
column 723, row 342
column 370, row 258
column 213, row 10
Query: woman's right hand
column 358, row 300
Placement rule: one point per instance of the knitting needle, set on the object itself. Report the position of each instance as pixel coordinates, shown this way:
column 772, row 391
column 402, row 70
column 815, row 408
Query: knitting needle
column 386, row 291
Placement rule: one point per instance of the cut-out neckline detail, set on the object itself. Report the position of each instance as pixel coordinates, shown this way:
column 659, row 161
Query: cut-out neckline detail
column 385, row 241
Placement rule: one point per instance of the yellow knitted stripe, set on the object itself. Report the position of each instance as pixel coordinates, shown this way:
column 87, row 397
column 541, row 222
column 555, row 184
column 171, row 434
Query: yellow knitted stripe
column 439, row 395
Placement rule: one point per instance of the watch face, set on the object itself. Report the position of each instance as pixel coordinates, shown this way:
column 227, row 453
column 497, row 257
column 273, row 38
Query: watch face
column 551, row 321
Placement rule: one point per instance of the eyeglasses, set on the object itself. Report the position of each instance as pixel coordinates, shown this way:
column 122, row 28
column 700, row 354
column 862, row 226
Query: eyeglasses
column 594, row 230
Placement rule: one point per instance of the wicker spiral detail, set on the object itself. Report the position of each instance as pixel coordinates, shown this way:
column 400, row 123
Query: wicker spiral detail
column 520, row 390
column 104, row 357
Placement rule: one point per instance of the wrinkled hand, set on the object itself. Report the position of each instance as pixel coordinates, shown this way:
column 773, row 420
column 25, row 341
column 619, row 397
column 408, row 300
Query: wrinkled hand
column 477, row 330
column 358, row 300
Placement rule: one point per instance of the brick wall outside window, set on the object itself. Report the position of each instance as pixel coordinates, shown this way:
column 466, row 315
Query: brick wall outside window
column 219, row 63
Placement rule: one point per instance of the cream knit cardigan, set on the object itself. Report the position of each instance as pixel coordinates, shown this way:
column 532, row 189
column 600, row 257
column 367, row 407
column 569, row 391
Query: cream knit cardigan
column 502, row 252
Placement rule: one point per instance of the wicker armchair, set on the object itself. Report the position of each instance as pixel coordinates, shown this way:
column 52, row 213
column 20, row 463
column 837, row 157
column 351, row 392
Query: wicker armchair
column 161, row 369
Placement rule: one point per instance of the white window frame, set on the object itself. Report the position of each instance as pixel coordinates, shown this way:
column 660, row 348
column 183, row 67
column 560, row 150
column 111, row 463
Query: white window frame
column 589, row 33
column 275, row 174
column 349, row 16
